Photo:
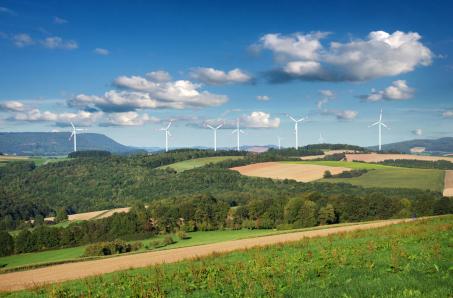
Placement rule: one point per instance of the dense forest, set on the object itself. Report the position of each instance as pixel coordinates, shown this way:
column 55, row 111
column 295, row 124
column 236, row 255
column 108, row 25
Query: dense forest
column 421, row 164
column 206, row 198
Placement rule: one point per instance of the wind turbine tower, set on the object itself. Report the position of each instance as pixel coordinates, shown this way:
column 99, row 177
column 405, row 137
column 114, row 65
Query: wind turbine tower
column 296, row 128
column 74, row 135
column 167, row 134
column 321, row 140
column 215, row 133
column 380, row 124
column 238, row 131
column 279, row 143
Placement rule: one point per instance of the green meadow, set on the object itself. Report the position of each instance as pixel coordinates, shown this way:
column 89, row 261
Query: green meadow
column 386, row 176
column 198, row 162
column 413, row 259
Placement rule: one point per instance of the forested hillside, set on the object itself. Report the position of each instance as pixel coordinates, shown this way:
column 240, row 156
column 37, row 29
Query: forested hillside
column 57, row 143
column 87, row 184
column 438, row 146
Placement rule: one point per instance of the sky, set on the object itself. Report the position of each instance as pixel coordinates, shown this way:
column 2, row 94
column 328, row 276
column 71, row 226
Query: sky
column 127, row 68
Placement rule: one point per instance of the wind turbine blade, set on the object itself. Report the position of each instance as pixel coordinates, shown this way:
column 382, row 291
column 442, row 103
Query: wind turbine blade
column 169, row 124
column 71, row 135
column 290, row 117
column 376, row 123
column 241, row 131
column 72, row 124
column 219, row 126
column 380, row 116
column 301, row 119
column 234, row 131
column 169, row 134
column 209, row 126
column 384, row 125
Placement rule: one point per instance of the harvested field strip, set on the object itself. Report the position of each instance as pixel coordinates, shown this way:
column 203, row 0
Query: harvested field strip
column 279, row 170
column 448, row 184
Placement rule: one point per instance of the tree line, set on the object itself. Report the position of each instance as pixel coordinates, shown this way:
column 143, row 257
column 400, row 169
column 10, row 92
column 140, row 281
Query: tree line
column 207, row 212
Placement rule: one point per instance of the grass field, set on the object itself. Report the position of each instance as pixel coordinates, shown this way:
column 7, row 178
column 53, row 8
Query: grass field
column 405, row 260
column 198, row 162
column 387, row 176
column 196, row 238
column 69, row 254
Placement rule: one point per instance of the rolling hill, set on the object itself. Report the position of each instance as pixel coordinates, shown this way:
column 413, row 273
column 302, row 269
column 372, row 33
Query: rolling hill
column 433, row 146
column 57, row 143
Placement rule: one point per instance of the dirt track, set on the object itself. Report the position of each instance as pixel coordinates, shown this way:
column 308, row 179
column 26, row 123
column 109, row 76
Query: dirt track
column 374, row 157
column 448, row 184
column 278, row 170
column 58, row 273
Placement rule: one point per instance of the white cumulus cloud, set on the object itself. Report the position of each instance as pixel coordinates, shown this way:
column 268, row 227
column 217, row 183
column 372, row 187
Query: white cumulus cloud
column 263, row 97
column 399, row 90
column 22, row 40
column 82, row 118
column 12, row 105
column 417, row 132
column 101, row 51
column 152, row 92
column 447, row 114
column 56, row 42
column 128, row 119
column 211, row 76
column 381, row 54
column 259, row 120
column 59, row 21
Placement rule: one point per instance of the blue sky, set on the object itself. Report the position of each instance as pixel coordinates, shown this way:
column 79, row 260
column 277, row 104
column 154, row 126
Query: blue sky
column 125, row 68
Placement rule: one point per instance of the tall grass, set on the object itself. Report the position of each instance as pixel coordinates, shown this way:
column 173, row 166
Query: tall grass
column 405, row 260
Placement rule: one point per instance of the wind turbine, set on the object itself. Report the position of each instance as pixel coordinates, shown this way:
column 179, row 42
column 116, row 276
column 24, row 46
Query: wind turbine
column 279, row 143
column 380, row 124
column 296, row 124
column 167, row 134
column 321, row 140
column 215, row 133
column 238, row 131
column 74, row 134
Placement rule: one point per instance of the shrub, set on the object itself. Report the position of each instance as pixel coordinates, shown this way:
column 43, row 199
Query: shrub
column 327, row 174
column 168, row 240
column 182, row 235
column 7, row 244
column 111, row 247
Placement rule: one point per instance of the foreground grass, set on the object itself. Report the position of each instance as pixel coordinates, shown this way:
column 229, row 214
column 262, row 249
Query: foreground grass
column 62, row 255
column 405, row 260
column 386, row 176
column 198, row 162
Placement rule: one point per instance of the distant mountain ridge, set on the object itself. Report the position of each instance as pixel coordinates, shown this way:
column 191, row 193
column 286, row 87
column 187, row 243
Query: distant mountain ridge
column 57, row 143
column 434, row 146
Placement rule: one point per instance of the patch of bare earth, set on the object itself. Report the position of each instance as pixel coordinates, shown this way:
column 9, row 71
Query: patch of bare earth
column 63, row 272
column 448, row 184
column 298, row 172
column 93, row 214
column 326, row 153
column 375, row 157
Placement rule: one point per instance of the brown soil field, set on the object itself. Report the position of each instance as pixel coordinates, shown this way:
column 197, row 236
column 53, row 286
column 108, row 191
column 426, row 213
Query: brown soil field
column 374, row 157
column 277, row 170
column 448, row 184
column 93, row 214
column 58, row 273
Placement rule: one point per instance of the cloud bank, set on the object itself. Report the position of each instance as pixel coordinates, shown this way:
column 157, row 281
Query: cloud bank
column 380, row 54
